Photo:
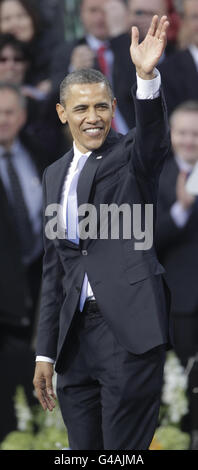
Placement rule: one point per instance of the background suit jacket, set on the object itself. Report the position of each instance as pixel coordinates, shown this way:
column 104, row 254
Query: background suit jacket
column 179, row 78
column 127, row 284
column 177, row 247
column 19, row 287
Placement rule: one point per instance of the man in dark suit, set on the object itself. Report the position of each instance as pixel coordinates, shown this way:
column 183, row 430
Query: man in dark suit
column 177, row 243
column 21, row 167
column 103, row 315
column 180, row 70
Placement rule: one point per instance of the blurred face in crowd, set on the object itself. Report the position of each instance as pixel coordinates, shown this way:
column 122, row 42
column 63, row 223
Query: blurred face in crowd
column 15, row 19
column 191, row 20
column 184, row 135
column 89, row 110
column 142, row 11
column 12, row 65
column 93, row 18
column 12, row 117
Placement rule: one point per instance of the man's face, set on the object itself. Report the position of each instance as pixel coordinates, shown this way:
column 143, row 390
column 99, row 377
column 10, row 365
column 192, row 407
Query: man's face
column 184, row 135
column 89, row 111
column 142, row 11
column 12, row 116
column 191, row 20
column 12, row 65
column 93, row 18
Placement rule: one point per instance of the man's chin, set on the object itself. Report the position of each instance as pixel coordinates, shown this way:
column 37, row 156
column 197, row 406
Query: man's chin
column 94, row 144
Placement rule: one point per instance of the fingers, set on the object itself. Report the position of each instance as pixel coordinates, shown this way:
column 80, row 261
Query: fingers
column 159, row 28
column 45, row 398
column 162, row 28
column 134, row 36
column 43, row 385
column 46, row 401
column 153, row 26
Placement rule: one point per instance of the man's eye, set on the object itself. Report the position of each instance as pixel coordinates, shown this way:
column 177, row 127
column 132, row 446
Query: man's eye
column 79, row 110
column 102, row 106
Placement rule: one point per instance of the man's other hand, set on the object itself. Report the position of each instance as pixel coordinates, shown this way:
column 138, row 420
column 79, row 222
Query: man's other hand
column 43, row 385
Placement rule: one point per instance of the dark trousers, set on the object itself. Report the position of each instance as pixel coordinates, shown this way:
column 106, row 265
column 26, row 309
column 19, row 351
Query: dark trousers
column 108, row 396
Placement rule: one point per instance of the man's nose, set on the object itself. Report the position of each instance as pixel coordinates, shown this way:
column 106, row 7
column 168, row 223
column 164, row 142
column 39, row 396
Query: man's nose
column 92, row 116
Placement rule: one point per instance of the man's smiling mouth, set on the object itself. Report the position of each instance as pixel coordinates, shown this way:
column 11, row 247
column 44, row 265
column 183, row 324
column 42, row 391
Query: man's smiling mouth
column 93, row 131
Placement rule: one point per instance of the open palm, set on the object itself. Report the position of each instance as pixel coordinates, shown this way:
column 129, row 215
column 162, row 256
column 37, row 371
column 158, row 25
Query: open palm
column 146, row 55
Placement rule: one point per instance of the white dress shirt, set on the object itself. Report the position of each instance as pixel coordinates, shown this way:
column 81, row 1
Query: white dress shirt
column 194, row 52
column 146, row 89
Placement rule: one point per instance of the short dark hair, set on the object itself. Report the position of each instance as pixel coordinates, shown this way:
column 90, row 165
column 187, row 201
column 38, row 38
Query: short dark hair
column 83, row 76
column 187, row 106
column 7, row 39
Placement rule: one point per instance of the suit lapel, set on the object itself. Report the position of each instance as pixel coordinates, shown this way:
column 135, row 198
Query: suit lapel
column 58, row 177
column 90, row 168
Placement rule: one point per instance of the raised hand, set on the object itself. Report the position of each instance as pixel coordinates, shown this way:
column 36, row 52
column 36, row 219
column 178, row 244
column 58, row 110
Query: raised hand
column 146, row 55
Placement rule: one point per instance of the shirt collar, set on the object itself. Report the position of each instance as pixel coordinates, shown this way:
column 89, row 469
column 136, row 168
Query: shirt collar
column 183, row 166
column 15, row 147
column 194, row 51
column 78, row 153
column 95, row 43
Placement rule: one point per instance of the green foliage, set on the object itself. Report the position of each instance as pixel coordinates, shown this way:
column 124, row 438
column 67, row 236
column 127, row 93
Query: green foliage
column 172, row 438
column 37, row 430
column 18, row 440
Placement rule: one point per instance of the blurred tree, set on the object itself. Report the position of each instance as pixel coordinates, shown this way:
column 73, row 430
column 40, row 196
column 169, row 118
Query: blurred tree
column 73, row 27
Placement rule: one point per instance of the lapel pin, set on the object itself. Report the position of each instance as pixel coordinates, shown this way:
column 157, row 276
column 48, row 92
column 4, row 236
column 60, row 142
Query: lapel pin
column 99, row 158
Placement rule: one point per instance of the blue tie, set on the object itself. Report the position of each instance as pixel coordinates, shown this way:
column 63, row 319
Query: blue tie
column 72, row 220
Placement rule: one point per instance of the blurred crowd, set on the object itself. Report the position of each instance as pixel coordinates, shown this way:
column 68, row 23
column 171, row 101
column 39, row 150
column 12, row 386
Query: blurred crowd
column 36, row 52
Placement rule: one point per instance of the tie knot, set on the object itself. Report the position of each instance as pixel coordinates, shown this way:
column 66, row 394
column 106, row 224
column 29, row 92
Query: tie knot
column 102, row 49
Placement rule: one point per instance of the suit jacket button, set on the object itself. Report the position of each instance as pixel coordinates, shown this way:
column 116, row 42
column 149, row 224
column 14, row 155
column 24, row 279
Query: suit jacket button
column 84, row 252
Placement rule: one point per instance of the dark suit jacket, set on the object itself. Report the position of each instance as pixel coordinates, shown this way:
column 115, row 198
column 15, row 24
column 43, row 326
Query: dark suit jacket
column 19, row 287
column 124, row 73
column 177, row 247
column 179, row 78
column 127, row 284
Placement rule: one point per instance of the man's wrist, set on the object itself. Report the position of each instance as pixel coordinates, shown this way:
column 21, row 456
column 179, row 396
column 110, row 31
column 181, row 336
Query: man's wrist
column 144, row 75
column 149, row 89
column 44, row 359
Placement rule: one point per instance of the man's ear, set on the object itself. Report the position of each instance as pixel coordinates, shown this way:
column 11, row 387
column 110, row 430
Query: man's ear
column 62, row 114
column 114, row 104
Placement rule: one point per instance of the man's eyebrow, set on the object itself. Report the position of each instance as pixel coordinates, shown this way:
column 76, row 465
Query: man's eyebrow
column 83, row 106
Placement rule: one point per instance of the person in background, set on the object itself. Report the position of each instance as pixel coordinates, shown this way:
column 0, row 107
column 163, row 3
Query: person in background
column 21, row 249
column 141, row 12
column 177, row 243
column 15, row 62
column 175, row 23
column 180, row 70
column 22, row 18
column 53, row 18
